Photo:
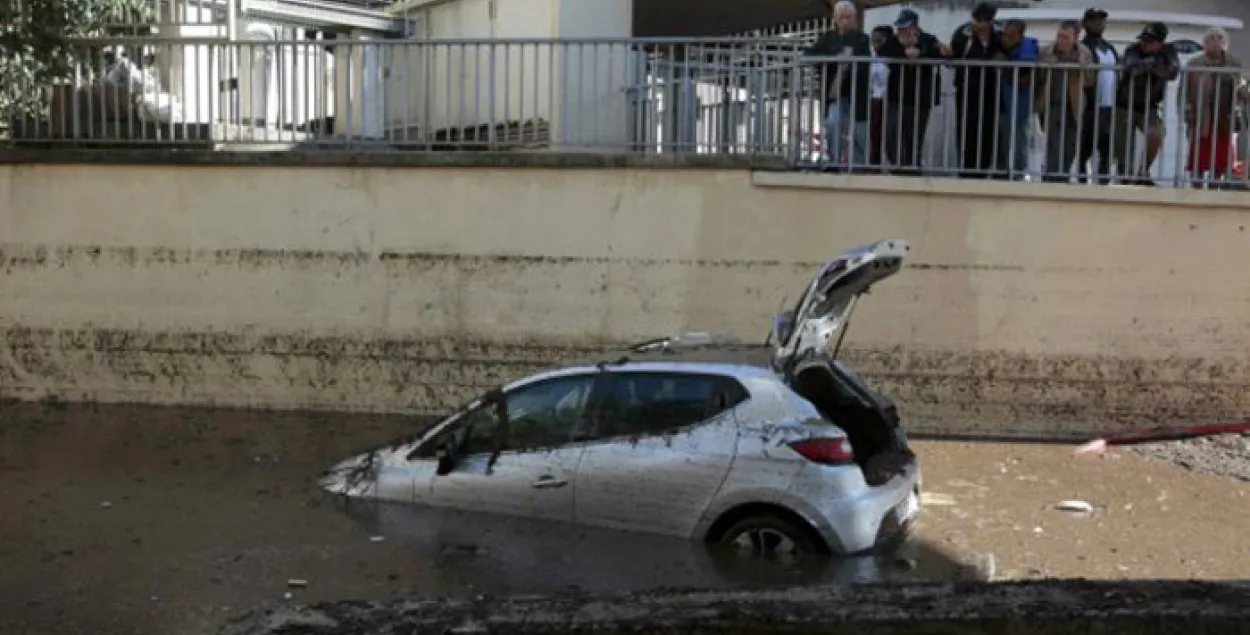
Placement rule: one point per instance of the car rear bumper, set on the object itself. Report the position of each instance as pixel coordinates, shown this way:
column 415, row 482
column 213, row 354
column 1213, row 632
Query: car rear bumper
column 860, row 521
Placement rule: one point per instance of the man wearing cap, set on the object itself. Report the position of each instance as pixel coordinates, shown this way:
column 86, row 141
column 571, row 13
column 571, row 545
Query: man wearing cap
column 914, row 89
column 976, row 91
column 846, row 75
column 1099, row 97
column 1149, row 64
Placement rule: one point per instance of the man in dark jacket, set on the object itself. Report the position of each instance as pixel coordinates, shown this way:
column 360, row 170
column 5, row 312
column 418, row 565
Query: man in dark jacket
column 977, row 91
column 914, row 88
column 1099, row 98
column 846, row 83
column 1149, row 65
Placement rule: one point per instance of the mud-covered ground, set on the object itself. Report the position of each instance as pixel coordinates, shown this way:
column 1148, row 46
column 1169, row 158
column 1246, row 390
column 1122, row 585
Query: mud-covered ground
column 140, row 520
column 1046, row 607
column 1226, row 455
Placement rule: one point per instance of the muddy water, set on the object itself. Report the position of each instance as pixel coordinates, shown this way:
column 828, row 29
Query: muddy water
column 141, row 520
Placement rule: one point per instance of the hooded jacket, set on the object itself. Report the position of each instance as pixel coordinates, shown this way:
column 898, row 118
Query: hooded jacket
column 1144, row 80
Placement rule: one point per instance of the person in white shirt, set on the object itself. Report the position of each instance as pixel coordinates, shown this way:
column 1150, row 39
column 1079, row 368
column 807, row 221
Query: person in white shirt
column 879, row 79
column 1097, row 125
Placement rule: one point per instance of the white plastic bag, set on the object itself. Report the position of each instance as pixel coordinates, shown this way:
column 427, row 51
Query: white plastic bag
column 160, row 107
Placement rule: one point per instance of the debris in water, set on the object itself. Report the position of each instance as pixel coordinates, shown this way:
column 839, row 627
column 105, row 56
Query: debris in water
column 106, row 504
column 934, row 498
column 297, row 583
column 377, row 538
column 1097, row 446
column 1077, row 506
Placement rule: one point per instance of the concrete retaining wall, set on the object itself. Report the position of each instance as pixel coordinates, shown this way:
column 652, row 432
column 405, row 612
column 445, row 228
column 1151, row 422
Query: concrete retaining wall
column 1063, row 607
column 1025, row 308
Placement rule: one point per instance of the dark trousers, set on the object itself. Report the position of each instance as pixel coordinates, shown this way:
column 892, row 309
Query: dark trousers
column 1096, row 136
column 905, row 130
column 876, row 131
column 978, row 131
column 1062, row 139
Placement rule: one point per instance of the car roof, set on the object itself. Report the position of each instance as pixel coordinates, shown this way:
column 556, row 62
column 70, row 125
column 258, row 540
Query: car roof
column 734, row 360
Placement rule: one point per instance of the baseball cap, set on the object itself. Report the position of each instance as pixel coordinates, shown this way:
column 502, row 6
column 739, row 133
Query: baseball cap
column 907, row 19
column 1154, row 32
column 1094, row 13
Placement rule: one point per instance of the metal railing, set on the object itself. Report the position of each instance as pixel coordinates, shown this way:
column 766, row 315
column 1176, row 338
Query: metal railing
column 742, row 95
column 637, row 95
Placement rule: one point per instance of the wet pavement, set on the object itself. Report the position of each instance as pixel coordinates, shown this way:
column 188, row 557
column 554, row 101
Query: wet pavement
column 143, row 520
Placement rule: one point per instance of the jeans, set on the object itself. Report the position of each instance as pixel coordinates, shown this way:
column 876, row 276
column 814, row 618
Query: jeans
column 1096, row 136
column 1016, row 144
column 1017, row 122
column 846, row 138
column 1063, row 142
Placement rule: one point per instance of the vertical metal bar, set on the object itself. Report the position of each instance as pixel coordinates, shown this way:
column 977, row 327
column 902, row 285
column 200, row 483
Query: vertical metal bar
column 507, row 91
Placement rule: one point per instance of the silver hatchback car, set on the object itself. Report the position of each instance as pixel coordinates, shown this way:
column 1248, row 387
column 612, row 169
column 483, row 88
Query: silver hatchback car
column 772, row 448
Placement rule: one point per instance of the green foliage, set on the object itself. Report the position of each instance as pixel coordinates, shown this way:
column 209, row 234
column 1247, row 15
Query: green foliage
column 36, row 42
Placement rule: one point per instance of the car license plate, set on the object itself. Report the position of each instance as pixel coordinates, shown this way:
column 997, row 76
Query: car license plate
column 908, row 509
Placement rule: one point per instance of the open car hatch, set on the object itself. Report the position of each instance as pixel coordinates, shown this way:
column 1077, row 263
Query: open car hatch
column 830, row 298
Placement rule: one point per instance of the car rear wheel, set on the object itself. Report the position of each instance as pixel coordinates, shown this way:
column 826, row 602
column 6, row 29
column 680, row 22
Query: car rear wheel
column 769, row 537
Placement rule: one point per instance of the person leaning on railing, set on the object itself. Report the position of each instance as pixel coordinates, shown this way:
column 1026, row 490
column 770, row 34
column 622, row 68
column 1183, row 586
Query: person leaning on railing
column 976, row 91
column 880, row 82
column 1099, row 97
column 1016, row 95
column 913, row 89
column 1214, row 88
column 1067, row 69
column 1149, row 64
column 845, row 85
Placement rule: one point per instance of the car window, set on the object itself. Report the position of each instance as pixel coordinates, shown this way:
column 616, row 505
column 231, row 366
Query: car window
column 658, row 403
column 477, row 432
column 481, row 433
column 546, row 414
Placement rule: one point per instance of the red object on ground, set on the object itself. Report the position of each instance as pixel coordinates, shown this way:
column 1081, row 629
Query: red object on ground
column 1175, row 432
column 1218, row 147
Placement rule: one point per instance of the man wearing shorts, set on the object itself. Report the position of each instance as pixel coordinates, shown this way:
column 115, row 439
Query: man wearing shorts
column 1149, row 65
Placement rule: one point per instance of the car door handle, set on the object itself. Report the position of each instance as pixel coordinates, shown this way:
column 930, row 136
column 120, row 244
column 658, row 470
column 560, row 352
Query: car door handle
column 548, row 481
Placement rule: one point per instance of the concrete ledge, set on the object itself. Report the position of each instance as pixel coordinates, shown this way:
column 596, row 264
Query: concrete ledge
column 1003, row 189
column 332, row 157
column 1053, row 606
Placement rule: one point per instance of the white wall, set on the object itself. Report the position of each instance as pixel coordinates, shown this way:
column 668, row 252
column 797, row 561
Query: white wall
column 595, row 109
column 462, row 77
column 192, row 72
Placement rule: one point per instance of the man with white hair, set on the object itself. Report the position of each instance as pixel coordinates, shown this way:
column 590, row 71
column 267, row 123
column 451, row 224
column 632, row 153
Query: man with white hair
column 844, row 58
column 1214, row 88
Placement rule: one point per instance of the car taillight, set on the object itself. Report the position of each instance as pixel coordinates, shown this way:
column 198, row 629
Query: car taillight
column 826, row 451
